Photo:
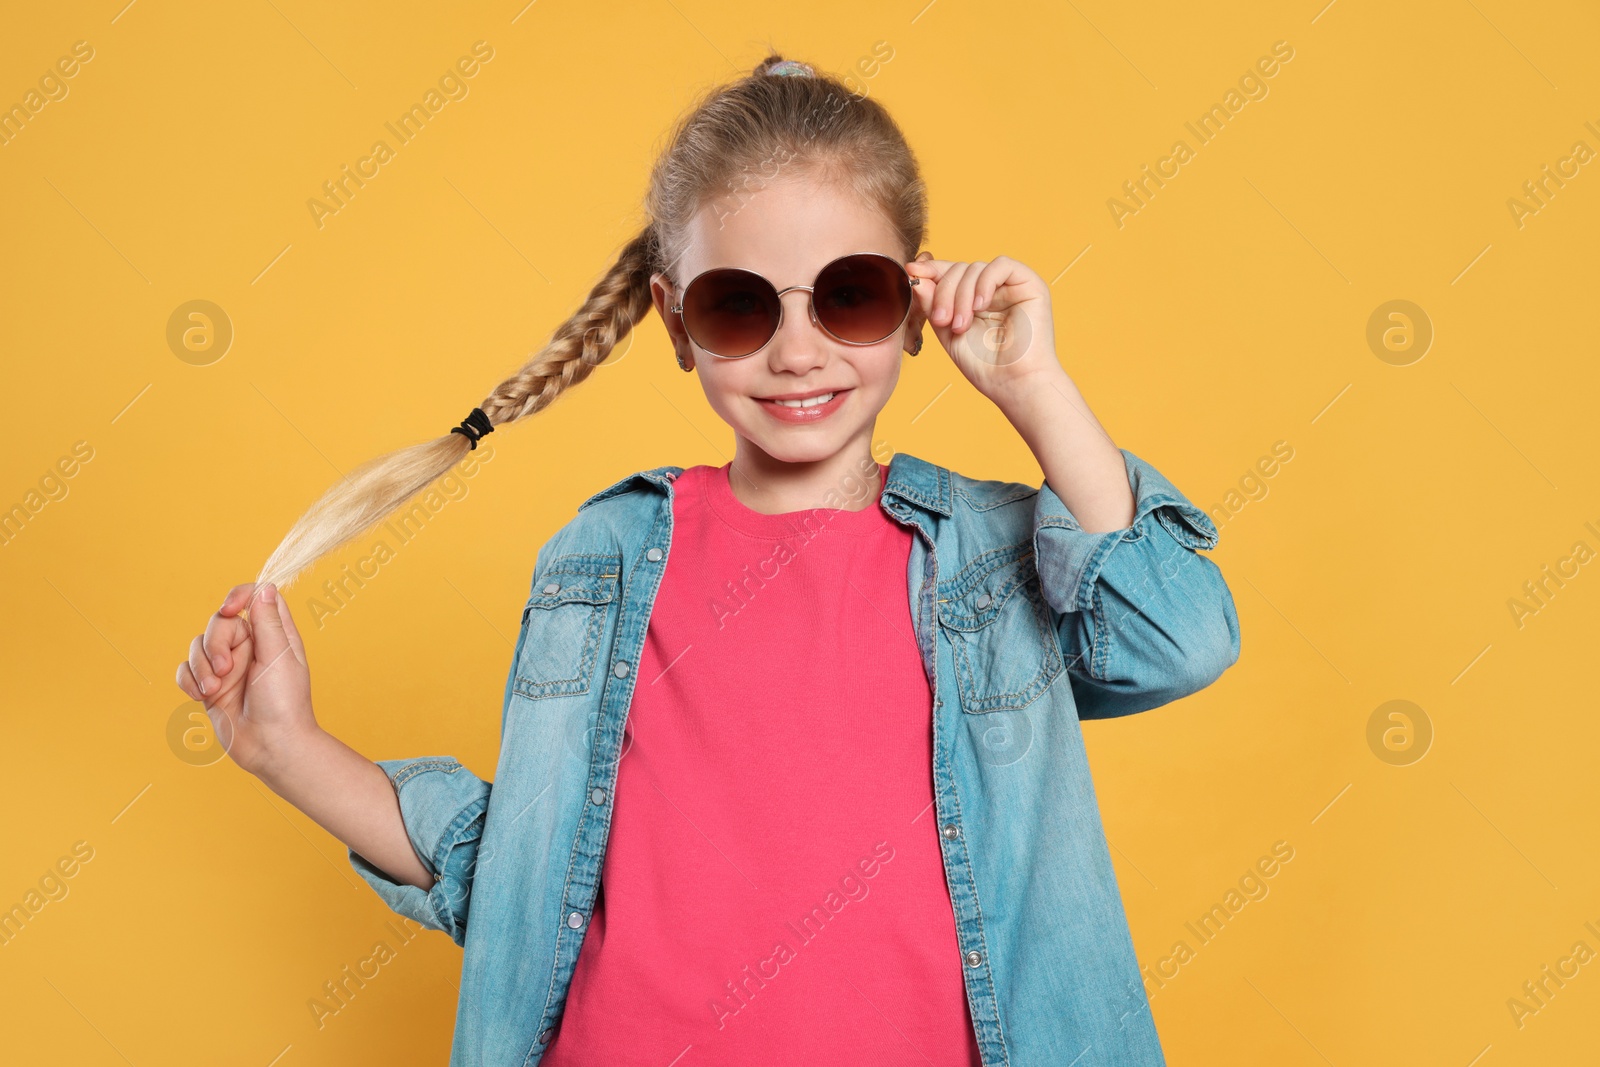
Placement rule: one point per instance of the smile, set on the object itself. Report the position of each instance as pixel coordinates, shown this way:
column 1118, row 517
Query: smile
column 805, row 409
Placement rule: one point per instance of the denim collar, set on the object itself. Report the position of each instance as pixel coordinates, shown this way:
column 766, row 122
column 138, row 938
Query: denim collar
column 923, row 485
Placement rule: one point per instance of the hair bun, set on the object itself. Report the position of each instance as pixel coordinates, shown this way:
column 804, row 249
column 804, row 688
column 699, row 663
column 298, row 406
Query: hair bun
column 790, row 67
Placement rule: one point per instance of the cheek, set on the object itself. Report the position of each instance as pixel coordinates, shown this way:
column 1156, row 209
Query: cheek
column 881, row 373
column 724, row 386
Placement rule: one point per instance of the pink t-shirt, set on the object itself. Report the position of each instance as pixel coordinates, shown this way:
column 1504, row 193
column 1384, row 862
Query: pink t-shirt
column 772, row 890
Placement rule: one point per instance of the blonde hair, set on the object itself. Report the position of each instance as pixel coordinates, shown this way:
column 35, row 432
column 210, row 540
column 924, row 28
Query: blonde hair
column 737, row 137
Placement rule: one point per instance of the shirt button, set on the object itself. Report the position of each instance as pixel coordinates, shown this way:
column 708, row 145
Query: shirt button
column 984, row 601
column 951, row 831
column 621, row 669
column 598, row 796
column 544, row 1036
column 575, row 920
column 974, row 958
column 653, row 555
column 553, row 587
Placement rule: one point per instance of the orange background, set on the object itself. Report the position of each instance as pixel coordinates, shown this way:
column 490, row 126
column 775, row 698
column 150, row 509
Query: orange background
column 1228, row 314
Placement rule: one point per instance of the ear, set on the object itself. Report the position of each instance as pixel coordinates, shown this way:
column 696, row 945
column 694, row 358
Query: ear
column 663, row 297
column 913, row 330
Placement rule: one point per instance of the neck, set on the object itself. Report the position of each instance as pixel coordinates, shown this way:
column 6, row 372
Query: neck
column 848, row 479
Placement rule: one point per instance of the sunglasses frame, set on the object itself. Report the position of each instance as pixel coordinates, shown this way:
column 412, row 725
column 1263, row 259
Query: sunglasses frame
column 810, row 304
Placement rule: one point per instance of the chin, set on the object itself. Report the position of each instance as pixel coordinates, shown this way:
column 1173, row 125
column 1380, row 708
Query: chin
column 807, row 451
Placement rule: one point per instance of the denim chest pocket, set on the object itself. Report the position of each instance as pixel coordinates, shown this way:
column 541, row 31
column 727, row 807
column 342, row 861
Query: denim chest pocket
column 1005, row 648
column 565, row 620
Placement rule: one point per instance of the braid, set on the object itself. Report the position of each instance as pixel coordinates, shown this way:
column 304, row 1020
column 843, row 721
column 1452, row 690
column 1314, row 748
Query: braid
column 722, row 148
column 379, row 486
column 579, row 345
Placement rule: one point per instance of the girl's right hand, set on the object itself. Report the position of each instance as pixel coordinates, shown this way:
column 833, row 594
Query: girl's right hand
column 251, row 675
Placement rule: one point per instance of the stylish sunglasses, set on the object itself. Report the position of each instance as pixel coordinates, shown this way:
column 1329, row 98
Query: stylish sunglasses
column 859, row 299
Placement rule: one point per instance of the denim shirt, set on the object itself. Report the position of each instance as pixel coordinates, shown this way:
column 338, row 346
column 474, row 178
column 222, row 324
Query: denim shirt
column 1026, row 624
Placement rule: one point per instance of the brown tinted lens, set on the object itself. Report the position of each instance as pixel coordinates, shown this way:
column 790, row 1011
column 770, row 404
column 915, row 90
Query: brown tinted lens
column 730, row 312
column 862, row 298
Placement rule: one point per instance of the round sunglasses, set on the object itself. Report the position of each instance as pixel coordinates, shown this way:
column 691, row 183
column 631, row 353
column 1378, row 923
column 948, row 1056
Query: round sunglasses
column 859, row 299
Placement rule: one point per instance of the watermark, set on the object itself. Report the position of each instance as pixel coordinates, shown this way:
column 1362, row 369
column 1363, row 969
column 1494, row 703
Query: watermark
column 192, row 736
column 738, row 594
column 53, row 88
column 1252, row 85
column 1537, row 992
column 752, row 180
column 1399, row 332
column 1538, row 192
column 1399, row 732
column 1537, row 593
column 738, row 992
column 53, row 886
column 1004, row 737
column 401, row 528
column 338, row 992
column 1252, row 484
column 452, row 85
column 990, row 342
column 199, row 332
column 868, row 67
column 1251, row 886
column 52, row 487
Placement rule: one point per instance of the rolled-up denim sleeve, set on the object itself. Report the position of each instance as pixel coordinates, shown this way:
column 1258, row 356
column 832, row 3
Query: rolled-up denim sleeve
column 1143, row 618
column 443, row 805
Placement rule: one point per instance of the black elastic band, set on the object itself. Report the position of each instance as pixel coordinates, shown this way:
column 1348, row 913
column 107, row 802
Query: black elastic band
column 474, row 426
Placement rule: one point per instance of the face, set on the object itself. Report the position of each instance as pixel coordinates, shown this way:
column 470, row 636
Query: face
column 787, row 232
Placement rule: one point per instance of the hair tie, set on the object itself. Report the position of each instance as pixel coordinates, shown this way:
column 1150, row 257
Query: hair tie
column 791, row 67
column 474, row 426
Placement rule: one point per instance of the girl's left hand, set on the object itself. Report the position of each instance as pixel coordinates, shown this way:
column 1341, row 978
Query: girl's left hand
column 993, row 318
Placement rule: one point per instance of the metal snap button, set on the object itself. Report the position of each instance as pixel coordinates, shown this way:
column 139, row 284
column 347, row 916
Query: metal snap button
column 984, row 601
column 653, row 555
column 575, row 920
column 621, row 669
column 974, row 958
column 951, row 831
column 545, row 1035
column 553, row 587
column 598, row 796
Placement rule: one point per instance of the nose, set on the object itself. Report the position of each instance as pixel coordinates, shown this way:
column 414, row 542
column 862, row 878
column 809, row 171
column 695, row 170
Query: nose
column 800, row 343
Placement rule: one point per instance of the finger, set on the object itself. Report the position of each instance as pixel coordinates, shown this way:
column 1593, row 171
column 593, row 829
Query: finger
column 239, row 598
column 928, row 269
column 993, row 277
column 200, row 666
column 266, row 627
column 186, row 682
column 222, row 636
column 925, row 266
column 290, row 631
column 961, row 302
column 944, row 296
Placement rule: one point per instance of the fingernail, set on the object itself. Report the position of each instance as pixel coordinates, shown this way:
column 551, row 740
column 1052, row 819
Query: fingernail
column 961, row 318
column 269, row 593
column 216, row 664
column 205, row 685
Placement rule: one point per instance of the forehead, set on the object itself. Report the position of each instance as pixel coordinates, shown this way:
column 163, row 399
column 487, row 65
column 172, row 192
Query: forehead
column 785, row 229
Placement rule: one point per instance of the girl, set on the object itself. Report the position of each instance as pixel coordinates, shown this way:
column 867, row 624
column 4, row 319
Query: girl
column 791, row 763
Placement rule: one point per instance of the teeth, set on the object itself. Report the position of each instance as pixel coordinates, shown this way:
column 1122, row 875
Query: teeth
column 808, row 402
